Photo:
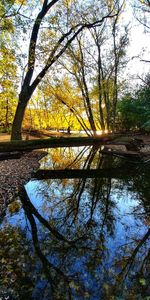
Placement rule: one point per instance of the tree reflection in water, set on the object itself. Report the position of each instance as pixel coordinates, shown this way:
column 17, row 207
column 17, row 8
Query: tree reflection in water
column 90, row 235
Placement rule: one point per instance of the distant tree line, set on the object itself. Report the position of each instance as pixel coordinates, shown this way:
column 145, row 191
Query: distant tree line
column 133, row 110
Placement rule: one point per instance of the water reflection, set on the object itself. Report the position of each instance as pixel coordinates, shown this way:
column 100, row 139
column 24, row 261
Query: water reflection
column 69, row 157
column 80, row 238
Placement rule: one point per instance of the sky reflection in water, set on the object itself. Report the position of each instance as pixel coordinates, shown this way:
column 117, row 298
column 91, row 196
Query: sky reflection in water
column 85, row 238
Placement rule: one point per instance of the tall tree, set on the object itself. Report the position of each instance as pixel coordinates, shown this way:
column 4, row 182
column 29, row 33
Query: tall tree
column 111, row 43
column 31, row 80
column 94, row 62
column 79, row 69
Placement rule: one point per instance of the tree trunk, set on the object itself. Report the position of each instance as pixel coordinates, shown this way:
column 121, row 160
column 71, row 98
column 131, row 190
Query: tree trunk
column 101, row 115
column 18, row 119
column 85, row 92
column 6, row 116
column 54, row 142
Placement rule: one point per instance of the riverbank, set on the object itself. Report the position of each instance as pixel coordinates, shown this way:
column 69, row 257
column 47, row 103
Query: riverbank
column 14, row 173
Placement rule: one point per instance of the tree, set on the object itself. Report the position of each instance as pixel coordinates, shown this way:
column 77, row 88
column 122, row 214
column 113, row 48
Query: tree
column 134, row 111
column 144, row 7
column 8, row 84
column 30, row 82
column 63, row 101
column 5, row 21
column 79, row 70
column 143, row 97
column 94, row 62
column 9, row 9
column 126, row 113
column 109, row 67
column 8, row 67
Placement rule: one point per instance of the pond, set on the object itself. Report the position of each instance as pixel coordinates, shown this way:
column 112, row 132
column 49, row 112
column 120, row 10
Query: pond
column 79, row 230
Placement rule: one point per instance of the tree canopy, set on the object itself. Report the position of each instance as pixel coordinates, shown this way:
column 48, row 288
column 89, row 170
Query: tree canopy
column 63, row 64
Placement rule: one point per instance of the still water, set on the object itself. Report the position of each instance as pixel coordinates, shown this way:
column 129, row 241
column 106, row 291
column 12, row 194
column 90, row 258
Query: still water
column 79, row 230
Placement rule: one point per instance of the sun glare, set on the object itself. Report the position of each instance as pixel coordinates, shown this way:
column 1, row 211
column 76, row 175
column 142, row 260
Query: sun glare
column 100, row 132
column 106, row 131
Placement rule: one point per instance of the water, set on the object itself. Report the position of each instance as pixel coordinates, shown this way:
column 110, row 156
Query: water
column 79, row 238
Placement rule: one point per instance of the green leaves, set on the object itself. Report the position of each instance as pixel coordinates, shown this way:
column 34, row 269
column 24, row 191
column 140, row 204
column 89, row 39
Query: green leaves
column 142, row 281
column 135, row 111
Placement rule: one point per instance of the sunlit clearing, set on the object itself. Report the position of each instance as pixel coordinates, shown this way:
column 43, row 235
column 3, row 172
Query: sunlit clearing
column 99, row 132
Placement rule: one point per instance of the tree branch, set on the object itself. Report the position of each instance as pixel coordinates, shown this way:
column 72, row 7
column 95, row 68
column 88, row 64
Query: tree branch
column 33, row 41
column 54, row 57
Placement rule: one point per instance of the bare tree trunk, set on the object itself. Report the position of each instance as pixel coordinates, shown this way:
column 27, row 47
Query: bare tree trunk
column 116, row 62
column 80, row 76
column 6, row 116
column 100, row 89
column 86, row 92
column 19, row 115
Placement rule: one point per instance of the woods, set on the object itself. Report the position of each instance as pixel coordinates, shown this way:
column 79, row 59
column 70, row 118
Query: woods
column 74, row 149
column 63, row 64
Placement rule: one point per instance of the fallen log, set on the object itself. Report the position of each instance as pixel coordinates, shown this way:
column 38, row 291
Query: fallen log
column 111, row 139
column 54, row 142
column 119, row 173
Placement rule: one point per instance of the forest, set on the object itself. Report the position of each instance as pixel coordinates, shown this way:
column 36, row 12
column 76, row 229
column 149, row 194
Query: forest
column 74, row 150
column 64, row 65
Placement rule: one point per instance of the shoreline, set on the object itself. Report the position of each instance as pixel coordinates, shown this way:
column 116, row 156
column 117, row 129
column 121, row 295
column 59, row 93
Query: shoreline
column 14, row 173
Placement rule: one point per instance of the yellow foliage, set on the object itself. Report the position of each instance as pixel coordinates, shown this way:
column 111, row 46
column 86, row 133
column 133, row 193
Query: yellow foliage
column 14, row 207
column 56, row 157
column 64, row 92
column 145, row 2
column 21, row 2
column 67, row 3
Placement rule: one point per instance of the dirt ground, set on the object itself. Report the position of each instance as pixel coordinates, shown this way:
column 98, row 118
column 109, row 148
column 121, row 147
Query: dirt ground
column 4, row 137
